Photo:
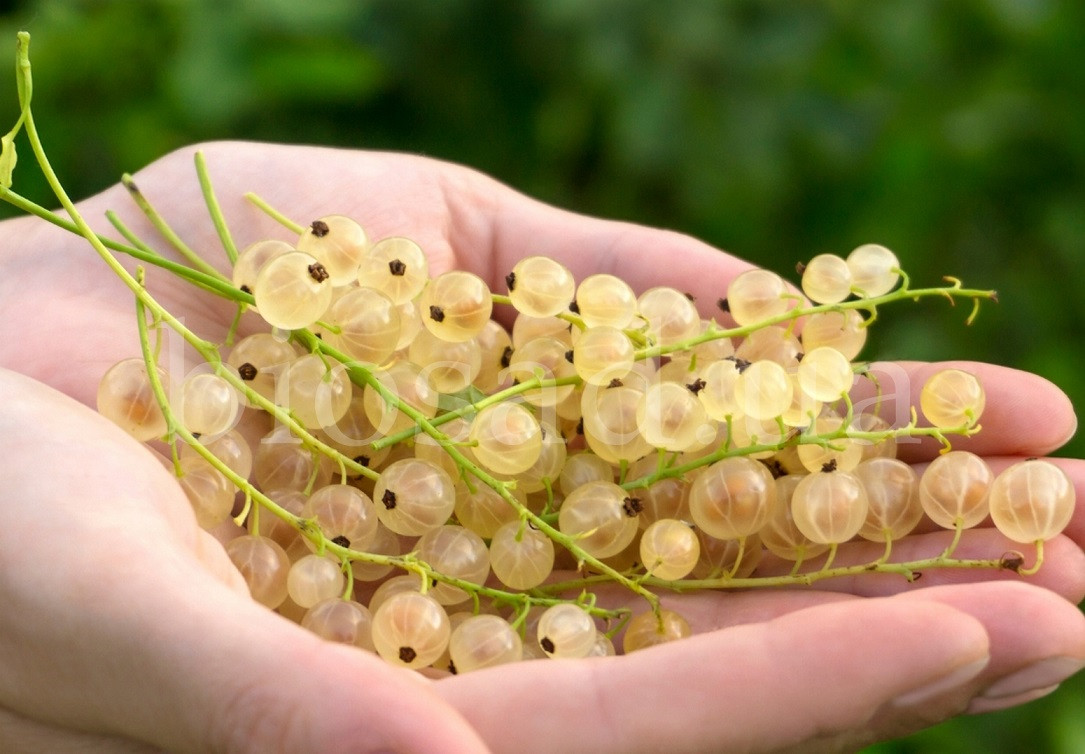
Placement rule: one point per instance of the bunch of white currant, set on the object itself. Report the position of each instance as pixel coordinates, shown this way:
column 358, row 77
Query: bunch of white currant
column 422, row 471
column 392, row 468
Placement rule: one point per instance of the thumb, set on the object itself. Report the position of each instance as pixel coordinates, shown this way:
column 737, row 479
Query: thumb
column 246, row 680
column 122, row 618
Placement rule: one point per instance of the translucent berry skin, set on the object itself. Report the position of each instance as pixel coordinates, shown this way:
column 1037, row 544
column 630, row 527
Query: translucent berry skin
column 824, row 374
column 669, row 416
column 665, row 498
column 493, row 342
column 719, row 556
column 385, row 542
column 339, row 243
column 526, row 328
column 314, row 578
column 874, row 270
column 541, row 287
column 507, row 438
column 455, row 305
column 410, row 630
column 231, row 448
column 606, row 300
column 718, row 393
column 843, row 331
column 1032, row 501
column 292, row 291
column 264, row 565
column 125, row 398
column 253, row 258
column 829, row 507
column 826, row 279
column 780, row 535
column 341, row 510
column 341, row 621
column 521, row 557
column 773, row 343
column 483, row 510
column 764, row 390
column 669, row 549
column 844, row 453
column 209, row 404
column 566, row 630
column 208, row 490
column 266, row 356
column 543, row 356
column 410, row 323
column 581, row 468
column 404, row 582
column 395, row 266
column 414, row 496
column 603, row 354
column 598, row 515
column 449, row 367
column 317, row 395
column 954, row 489
column 952, row 398
column 406, row 381
column 670, row 314
column 732, row 498
column 457, row 552
column 281, row 462
column 548, row 465
column 369, row 325
column 611, row 428
column 273, row 527
column 483, row 641
column 892, row 488
column 646, row 630
column 757, row 295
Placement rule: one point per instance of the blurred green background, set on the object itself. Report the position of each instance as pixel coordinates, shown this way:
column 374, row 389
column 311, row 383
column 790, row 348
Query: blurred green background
column 952, row 132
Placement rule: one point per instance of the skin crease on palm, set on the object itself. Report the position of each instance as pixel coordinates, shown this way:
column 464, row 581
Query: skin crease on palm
column 125, row 627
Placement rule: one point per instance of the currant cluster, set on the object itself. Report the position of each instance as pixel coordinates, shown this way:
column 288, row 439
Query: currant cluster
column 392, row 468
column 625, row 436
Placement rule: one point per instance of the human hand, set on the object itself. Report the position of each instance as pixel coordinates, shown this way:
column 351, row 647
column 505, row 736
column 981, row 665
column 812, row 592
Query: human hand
column 770, row 670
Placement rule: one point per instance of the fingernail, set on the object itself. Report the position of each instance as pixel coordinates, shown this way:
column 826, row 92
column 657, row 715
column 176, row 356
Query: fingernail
column 1039, row 675
column 946, row 683
column 981, row 704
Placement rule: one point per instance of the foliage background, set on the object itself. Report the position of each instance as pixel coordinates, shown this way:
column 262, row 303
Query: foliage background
column 954, row 133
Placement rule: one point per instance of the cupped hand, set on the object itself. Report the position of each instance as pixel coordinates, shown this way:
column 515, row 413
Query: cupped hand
column 124, row 625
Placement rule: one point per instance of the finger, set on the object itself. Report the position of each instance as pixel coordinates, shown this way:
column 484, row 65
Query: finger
column 1036, row 641
column 751, row 688
column 1032, row 633
column 22, row 735
column 643, row 257
column 1025, row 414
column 119, row 620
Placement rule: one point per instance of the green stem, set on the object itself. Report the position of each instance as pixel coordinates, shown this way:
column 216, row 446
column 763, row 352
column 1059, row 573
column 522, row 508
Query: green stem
column 1039, row 560
column 214, row 210
column 138, row 251
column 365, row 377
column 274, row 214
column 476, row 406
column 908, row 570
column 951, row 292
column 167, row 232
column 205, row 349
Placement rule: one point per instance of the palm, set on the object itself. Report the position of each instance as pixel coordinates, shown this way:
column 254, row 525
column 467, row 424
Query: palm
column 464, row 220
